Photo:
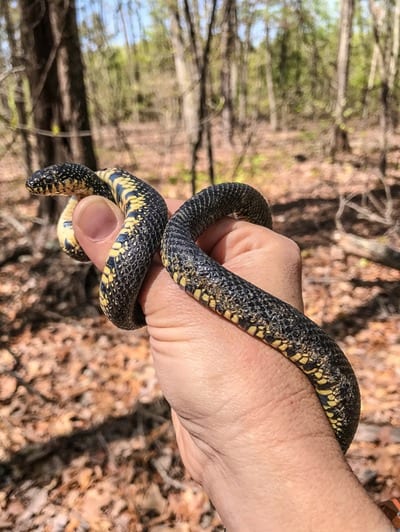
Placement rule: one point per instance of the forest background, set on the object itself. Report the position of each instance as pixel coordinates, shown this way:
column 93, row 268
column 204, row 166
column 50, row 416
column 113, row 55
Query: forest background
column 299, row 98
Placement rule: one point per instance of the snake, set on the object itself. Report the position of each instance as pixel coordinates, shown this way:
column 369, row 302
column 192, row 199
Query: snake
column 147, row 230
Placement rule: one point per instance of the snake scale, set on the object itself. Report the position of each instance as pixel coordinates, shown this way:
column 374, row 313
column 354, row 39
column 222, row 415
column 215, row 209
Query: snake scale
column 147, row 230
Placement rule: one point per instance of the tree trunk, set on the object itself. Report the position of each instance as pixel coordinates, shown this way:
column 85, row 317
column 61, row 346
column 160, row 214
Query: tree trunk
column 198, row 64
column 384, row 122
column 369, row 249
column 185, row 75
column 382, row 28
column 394, row 56
column 393, row 65
column 244, row 71
column 283, row 69
column 339, row 139
column 133, row 61
column 273, row 111
column 228, row 39
column 371, row 80
column 71, row 83
column 40, row 54
column 202, row 113
column 210, row 153
column 19, row 88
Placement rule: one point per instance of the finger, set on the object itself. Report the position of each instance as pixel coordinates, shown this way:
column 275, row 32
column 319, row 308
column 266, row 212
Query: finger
column 97, row 222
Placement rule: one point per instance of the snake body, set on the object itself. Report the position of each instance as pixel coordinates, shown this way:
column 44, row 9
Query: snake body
column 129, row 258
column 147, row 230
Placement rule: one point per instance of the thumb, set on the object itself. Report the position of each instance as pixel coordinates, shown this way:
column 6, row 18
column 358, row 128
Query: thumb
column 97, row 222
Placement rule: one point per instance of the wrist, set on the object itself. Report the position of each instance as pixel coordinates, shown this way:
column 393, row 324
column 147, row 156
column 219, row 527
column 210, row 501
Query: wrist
column 313, row 490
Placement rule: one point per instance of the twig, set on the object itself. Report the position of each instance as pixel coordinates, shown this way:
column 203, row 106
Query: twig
column 384, row 210
column 367, row 214
column 4, row 75
column 16, row 224
column 48, row 133
column 25, row 384
column 169, row 481
column 244, row 150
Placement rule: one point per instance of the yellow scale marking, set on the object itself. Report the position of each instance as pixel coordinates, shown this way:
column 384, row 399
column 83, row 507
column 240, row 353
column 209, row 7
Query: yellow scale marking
column 109, row 274
column 321, row 379
column 114, row 252
column 197, row 294
column 252, row 330
column 324, row 392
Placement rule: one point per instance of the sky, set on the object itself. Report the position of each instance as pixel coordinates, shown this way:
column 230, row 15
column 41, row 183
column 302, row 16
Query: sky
column 125, row 19
column 121, row 21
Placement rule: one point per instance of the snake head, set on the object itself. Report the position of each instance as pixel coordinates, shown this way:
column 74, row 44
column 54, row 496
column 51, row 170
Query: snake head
column 63, row 179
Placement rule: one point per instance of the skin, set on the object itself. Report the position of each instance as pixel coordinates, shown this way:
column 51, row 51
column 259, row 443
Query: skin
column 249, row 426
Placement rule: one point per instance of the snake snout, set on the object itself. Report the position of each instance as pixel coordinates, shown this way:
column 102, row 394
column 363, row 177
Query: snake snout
column 34, row 182
column 43, row 181
column 52, row 180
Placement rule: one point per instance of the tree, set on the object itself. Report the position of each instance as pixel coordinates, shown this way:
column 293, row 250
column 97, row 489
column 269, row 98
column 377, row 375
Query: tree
column 55, row 75
column 247, row 19
column 273, row 111
column 386, row 29
column 39, row 52
column 192, row 71
column 228, row 44
column 71, row 83
column 339, row 136
column 15, row 56
column 185, row 73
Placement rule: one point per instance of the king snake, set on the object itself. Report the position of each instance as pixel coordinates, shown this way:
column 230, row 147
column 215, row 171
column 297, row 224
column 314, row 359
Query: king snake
column 147, row 230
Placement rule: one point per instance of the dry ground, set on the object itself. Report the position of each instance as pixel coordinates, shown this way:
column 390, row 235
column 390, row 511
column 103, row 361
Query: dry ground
column 85, row 436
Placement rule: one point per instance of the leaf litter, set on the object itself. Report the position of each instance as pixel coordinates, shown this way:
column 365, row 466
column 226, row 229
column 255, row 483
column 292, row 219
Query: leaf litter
column 86, row 441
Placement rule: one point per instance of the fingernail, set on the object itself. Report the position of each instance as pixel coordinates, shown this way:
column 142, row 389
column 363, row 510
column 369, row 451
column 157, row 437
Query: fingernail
column 96, row 218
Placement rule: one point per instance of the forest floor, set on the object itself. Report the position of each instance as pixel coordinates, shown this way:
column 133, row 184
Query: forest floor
column 86, row 441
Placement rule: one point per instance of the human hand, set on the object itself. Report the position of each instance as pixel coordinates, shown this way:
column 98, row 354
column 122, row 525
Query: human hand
column 248, row 424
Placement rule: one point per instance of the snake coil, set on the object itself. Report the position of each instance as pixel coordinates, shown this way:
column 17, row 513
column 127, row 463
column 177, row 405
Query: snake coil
column 146, row 230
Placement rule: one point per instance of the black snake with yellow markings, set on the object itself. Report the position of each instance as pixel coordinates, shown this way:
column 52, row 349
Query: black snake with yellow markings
column 146, row 230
